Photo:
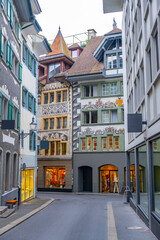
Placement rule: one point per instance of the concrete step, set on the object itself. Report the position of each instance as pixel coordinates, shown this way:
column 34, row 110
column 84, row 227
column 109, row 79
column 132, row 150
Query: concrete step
column 3, row 209
column 7, row 213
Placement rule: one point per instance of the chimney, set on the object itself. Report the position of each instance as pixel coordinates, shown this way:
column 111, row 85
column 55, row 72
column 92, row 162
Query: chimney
column 114, row 23
column 91, row 33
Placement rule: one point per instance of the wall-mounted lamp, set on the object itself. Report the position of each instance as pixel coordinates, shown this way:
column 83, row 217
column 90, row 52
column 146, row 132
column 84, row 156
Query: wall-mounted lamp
column 33, row 125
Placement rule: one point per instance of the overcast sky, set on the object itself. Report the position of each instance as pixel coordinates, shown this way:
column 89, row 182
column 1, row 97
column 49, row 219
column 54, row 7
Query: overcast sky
column 74, row 16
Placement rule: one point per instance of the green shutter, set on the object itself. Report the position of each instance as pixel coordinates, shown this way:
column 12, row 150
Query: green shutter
column 11, row 15
column 29, row 61
column 20, row 72
column 8, row 53
column 10, row 57
column 30, row 139
column 2, row 45
column 24, row 52
column 2, row 3
column 18, row 120
column 34, row 145
column 19, row 32
column 29, row 101
column 35, row 68
column 23, row 96
column 0, row 105
column 8, row 9
column 10, row 110
column 35, row 105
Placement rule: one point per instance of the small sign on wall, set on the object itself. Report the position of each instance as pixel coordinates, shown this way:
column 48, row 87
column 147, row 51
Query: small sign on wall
column 44, row 145
column 8, row 124
column 135, row 122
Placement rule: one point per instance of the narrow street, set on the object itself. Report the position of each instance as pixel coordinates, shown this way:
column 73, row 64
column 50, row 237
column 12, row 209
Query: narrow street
column 81, row 217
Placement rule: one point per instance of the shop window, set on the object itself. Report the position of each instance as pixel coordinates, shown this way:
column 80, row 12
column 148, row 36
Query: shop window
column 58, row 148
column 156, row 172
column 83, row 143
column 110, row 143
column 58, row 96
column 94, row 116
column 104, row 144
column 94, row 140
column 46, row 98
column 52, row 97
column 45, row 124
column 52, row 123
column 89, row 143
column 55, row 177
column 27, row 184
column 116, row 142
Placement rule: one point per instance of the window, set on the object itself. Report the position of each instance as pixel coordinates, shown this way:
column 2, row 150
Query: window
column 83, row 143
column 58, row 148
column 46, row 98
column 46, row 124
column 120, row 60
column 2, row 3
column 4, row 110
column 58, row 123
column 157, row 50
column 58, row 96
column 111, row 61
column 52, row 97
column 32, row 140
column 53, row 70
column 74, row 54
column 93, row 116
column 94, row 140
column 52, row 144
column 104, row 144
column 105, row 117
column 109, row 89
column 89, row 143
column 86, row 117
column 9, row 55
column 64, row 148
column 64, row 96
column 52, row 123
column 65, row 122
column 114, row 118
column 90, row 91
column 116, row 139
column 55, row 177
column 110, row 140
column 2, row 45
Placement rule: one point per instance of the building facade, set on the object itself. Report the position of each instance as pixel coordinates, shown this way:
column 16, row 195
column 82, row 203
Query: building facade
column 55, row 119
column 10, row 82
column 141, row 42
column 98, row 124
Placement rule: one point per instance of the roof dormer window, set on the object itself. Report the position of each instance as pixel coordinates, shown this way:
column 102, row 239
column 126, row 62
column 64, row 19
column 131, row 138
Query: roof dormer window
column 74, row 54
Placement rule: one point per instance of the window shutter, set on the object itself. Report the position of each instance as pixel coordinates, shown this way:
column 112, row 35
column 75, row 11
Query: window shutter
column 20, row 72
column 35, row 106
column 24, row 51
column 8, row 53
column 10, row 110
column 30, row 61
column 34, row 146
column 10, row 57
column 19, row 32
column 29, row 101
column 11, row 15
column 23, row 96
column 8, row 9
column 2, row 45
column 30, row 140
column 35, row 68
column 0, row 105
column 18, row 120
column 2, row 3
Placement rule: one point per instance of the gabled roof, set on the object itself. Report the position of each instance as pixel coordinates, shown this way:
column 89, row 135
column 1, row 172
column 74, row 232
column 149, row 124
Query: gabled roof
column 74, row 46
column 59, row 46
column 87, row 63
column 116, row 30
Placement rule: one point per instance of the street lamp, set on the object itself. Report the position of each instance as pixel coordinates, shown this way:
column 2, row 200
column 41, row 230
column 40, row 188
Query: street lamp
column 33, row 125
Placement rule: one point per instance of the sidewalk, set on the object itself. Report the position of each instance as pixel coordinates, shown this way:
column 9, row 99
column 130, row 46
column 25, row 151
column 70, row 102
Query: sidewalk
column 25, row 211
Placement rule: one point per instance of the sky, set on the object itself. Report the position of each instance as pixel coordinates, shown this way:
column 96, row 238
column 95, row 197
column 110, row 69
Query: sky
column 74, row 17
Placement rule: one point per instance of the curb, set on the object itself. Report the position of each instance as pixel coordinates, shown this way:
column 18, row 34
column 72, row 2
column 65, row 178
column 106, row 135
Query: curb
column 23, row 218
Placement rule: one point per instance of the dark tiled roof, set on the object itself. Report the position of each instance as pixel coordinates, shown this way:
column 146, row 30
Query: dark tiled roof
column 87, row 63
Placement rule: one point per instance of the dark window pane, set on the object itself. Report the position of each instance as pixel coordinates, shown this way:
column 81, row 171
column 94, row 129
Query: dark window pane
column 59, row 123
column 64, row 148
column 86, row 117
column 65, row 122
column 94, row 117
column 52, row 97
column 46, row 98
column 46, row 124
column 52, row 123
column 58, row 96
column 58, row 148
column 86, row 91
column 64, row 96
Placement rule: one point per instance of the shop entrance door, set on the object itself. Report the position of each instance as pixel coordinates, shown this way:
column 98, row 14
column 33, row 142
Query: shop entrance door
column 109, row 179
column 85, row 179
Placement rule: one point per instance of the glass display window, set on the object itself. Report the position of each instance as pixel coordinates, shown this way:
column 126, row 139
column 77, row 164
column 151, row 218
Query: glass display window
column 109, row 179
column 55, row 177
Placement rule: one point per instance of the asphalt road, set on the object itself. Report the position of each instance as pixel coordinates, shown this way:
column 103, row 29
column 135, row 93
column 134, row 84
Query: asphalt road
column 69, row 217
